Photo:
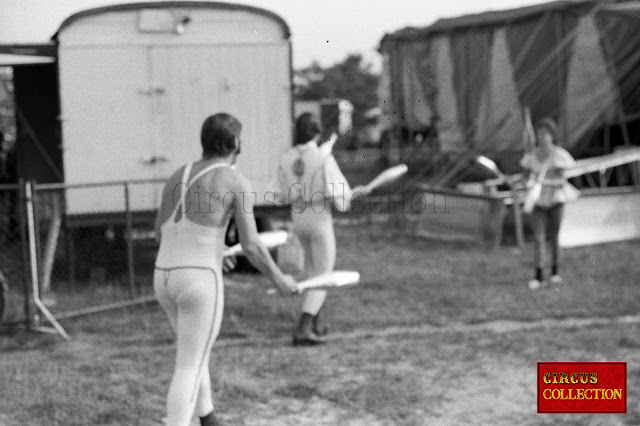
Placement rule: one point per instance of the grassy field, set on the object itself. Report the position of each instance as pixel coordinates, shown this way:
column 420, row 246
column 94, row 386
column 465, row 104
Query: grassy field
column 437, row 333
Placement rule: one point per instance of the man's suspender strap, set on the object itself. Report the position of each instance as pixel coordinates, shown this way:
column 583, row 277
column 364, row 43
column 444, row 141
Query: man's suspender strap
column 185, row 184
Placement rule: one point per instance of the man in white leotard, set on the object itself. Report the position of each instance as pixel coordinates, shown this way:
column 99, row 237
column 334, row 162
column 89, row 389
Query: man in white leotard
column 311, row 181
column 197, row 204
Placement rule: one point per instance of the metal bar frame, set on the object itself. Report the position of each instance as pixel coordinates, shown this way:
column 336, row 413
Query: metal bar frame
column 35, row 282
column 24, row 242
column 32, row 270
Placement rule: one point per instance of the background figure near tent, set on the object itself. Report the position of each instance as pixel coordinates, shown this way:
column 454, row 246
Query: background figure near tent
column 188, row 268
column 546, row 163
column 312, row 183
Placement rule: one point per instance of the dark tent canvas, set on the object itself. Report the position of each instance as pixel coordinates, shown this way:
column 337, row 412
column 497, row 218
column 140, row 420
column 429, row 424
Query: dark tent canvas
column 471, row 77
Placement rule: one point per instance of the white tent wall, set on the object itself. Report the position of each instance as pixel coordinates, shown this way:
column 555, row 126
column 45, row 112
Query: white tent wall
column 591, row 96
column 447, row 124
column 134, row 93
column 572, row 61
column 420, row 115
column 500, row 123
column 482, row 124
column 385, row 99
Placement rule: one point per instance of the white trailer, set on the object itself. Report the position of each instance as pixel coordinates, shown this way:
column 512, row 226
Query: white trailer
column 129, row 88
column 136, row 82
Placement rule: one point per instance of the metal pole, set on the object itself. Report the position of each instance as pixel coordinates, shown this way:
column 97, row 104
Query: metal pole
column 129, row 236
column 33, row 258
column 103, row 308
column 517, row 218
column 22, row 214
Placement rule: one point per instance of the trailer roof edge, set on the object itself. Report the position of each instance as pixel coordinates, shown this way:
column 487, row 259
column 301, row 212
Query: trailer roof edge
column 178, row 4
column 488, row 18
column 45, row 50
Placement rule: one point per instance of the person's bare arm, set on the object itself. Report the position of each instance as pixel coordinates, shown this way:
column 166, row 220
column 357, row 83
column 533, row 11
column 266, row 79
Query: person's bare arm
column 167, row 204
column 564, row 160
column 161, row 216
column 253, row 248
column 158, row 234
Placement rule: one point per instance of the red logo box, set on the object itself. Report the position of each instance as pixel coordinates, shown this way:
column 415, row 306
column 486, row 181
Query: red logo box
column 582, row 387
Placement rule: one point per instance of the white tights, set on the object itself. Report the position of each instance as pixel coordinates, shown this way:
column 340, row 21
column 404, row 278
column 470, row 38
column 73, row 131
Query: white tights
column 193, row 300
column 317, row 237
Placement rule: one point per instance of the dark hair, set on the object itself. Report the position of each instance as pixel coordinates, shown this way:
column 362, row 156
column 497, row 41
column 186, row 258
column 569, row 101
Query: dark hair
column 550, row 125
column 219, row 135
column 307, row 127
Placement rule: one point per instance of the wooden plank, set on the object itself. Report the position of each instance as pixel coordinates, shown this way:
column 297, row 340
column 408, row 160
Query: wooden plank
column 595, row 164
column 590, row 165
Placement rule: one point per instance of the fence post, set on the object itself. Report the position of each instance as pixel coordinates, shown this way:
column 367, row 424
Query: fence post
column 33, row 239
column 22, row 223
column 53, row 234
column 33, row 261
column 129, row 236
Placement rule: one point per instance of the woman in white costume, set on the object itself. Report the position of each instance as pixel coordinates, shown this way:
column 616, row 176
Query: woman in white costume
column 198, row 201
column 548, row 162
column 311, row 181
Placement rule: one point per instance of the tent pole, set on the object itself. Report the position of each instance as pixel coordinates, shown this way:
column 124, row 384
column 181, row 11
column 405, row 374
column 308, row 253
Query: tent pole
column 561, row 90
column 620, row 171
column 517, row 218
column 625, row 133
column 557, row 109
column 536, row 72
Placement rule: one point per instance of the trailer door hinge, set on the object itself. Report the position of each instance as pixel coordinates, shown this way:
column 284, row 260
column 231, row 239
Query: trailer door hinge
column 152, row 91
column 156, row 159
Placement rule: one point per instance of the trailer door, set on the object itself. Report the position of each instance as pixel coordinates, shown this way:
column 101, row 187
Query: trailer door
column 106, row 107
column 251, row 82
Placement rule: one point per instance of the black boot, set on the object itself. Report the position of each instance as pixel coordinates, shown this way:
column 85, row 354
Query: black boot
column 304, row 335
column 209, row 420
column 318, row 328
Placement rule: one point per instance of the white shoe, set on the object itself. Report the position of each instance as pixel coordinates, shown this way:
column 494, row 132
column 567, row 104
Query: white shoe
column 556, row 280
column 536, row 284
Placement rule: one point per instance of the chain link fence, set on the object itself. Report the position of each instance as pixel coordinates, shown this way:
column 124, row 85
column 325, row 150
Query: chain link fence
column 95, row 245
column 14, row 281
column 72, row 250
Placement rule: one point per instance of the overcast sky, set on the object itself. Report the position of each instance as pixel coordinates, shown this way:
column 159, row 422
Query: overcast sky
column 325, row 30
